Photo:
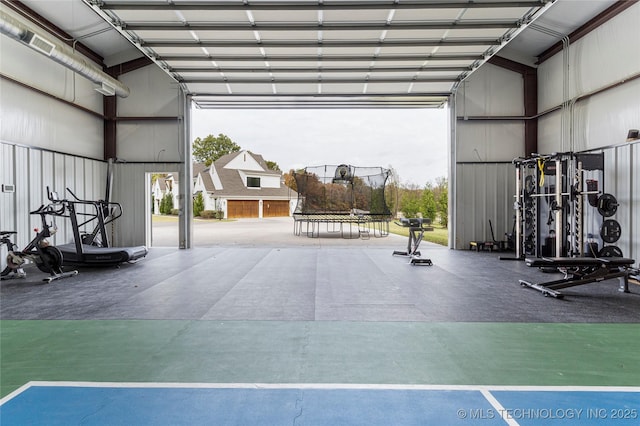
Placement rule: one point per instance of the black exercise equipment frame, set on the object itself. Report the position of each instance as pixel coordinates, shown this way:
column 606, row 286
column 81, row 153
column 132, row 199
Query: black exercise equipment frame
column 417, row 228
column 569, row 196
column 580, row 271
column 79, row 253
column 46, row 257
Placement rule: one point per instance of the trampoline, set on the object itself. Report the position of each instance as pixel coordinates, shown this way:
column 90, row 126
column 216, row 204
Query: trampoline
column 341, row 200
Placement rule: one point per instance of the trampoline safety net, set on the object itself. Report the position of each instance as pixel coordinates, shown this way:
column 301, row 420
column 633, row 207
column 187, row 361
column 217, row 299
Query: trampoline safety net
column 342, row 189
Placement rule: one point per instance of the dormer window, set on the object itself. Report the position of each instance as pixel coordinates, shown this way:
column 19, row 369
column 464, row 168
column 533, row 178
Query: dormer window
column 253, row 182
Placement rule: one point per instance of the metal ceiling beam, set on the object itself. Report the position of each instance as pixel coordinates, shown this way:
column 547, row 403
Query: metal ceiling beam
column 314, row 105
column 276, row 80
column 323, row 43
column 320, row 100
column 331, row 96
column 326, row 5
column 318, row 58
column 315, row 69
column 310, row 26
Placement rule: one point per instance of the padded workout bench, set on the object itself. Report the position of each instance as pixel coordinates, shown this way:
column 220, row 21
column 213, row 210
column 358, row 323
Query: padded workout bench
column 579, row 271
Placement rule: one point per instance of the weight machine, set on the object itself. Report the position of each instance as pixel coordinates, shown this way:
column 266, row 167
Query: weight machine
column 560, row 208
column 559, row 205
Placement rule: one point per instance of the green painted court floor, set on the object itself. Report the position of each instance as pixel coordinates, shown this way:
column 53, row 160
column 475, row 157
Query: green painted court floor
column 195, row 351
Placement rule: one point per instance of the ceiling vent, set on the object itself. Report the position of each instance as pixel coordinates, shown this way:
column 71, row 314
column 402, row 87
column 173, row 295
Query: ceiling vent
column 105, row 89
column 41, row 45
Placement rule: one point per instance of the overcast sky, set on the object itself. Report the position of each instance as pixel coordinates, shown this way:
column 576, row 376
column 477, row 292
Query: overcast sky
column 412, row 141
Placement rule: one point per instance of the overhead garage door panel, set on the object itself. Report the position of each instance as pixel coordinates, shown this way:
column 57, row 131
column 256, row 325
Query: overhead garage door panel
column 238, row 209
column 275, row 208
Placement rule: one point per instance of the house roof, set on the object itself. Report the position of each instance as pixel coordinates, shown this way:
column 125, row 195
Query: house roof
column 198, row 168
column 226, row 159
column 207, row 181
column 232, row 184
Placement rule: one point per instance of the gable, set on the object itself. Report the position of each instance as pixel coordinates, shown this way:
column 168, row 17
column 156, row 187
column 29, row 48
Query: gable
column 244, row 161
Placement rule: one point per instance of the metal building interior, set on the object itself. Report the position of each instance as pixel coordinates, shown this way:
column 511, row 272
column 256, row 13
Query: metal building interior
column 96, row 88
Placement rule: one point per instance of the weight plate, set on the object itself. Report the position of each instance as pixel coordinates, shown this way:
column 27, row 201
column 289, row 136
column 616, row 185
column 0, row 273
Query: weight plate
column 610, row 251
column 610, row 231
column 607, row 205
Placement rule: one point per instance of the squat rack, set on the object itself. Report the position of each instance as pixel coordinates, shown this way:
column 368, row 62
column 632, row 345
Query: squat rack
column 566, row 202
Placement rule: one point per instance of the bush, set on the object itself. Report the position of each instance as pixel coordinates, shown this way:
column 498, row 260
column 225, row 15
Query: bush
column 198, row 204
column 166, row 204
column 212, row 214
column 174, row 212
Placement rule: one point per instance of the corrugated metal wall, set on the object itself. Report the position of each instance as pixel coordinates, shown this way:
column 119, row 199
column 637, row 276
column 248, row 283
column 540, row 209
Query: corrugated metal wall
column 600, row 121
column 604, row 118
column 484, row 192
column 130, row 190
column 484, row 150
column 31, row 170
column 623, row 181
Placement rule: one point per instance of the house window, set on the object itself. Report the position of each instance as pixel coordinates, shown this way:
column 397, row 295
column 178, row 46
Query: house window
column 253, row 182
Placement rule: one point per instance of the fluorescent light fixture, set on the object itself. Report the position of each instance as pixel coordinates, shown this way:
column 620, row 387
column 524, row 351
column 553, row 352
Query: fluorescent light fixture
column 105, row 89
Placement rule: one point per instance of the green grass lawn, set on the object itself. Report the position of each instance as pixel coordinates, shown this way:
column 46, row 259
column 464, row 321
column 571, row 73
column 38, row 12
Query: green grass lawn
column 439, row 235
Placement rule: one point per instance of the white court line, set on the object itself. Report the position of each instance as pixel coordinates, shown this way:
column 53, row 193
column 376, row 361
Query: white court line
column 328, row 386
column 499, row 408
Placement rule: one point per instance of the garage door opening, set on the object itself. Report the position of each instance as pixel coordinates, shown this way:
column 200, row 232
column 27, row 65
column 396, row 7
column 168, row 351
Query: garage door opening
column 413, row 142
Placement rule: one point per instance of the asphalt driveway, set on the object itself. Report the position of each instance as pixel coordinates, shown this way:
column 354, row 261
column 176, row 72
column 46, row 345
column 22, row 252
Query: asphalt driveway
column 259, row 232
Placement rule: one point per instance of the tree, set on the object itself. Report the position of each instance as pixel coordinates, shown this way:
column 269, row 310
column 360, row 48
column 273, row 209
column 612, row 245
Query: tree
column 410, row 201
column 211, row 148
column 428, row 205
column 166, row 205
column 290, row 179
column 198, row 204
column 272, row 165
column 443, row 207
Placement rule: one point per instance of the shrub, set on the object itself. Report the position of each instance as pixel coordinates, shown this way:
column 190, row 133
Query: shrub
column 207, row 214
column 198, row 204
column 166, row 205
column 174, row 212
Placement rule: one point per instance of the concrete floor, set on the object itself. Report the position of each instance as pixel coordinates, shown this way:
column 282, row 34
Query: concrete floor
column 292, row 309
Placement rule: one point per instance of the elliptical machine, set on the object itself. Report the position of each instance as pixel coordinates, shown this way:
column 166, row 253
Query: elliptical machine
column 46, row 257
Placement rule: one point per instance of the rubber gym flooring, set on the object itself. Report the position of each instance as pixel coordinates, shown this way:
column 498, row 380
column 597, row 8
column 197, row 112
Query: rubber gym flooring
column 316, row 333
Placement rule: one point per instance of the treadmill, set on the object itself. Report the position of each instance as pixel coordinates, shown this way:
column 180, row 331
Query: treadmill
column 86, row 249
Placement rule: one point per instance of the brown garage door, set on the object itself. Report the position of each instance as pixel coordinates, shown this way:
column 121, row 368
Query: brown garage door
column 275, row 208
column 237, row 209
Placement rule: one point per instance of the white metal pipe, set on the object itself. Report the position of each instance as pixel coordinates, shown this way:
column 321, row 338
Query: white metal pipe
column 61, row 53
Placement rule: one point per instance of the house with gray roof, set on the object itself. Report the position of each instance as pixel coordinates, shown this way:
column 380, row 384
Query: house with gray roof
column 242, row 186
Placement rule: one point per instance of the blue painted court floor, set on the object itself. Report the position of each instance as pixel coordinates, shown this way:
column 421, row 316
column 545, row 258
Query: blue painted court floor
column 71, row 403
